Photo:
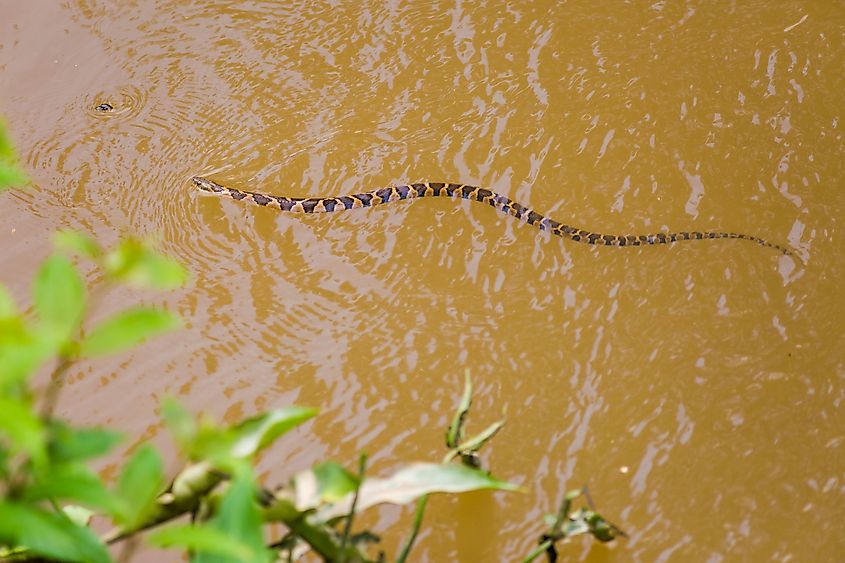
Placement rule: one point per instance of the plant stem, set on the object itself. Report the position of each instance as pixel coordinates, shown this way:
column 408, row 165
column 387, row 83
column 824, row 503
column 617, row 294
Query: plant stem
column 347, row 529
column 418, row 516
column 54, row 388
column 18, row 477
column 537, row 551
column 589, row 499
column 57, row 378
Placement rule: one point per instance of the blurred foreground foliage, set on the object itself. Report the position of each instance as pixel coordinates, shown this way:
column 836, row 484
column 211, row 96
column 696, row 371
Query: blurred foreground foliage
column 49, row 493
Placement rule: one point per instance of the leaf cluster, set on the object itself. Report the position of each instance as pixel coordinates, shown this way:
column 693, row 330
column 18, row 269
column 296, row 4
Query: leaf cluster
column 567, row 524
column 49, row 492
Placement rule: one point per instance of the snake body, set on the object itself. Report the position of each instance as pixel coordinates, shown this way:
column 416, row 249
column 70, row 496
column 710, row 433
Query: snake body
column 483, row 195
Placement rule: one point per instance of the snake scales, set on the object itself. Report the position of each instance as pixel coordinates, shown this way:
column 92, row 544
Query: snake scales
column 432, row 189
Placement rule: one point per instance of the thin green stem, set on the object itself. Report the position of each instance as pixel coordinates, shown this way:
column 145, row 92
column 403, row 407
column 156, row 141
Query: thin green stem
column 19, row 476
column 347, row 529
column 54, row 388
column 57, row 378
column 540, row 549
column 586, row 493
column 57, row 508
column 418, row 517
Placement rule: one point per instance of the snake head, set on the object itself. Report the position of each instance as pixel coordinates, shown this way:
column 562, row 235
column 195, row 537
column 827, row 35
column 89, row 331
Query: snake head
column 207, row 185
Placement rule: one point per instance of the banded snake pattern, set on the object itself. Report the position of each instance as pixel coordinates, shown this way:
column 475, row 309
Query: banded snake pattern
column 483, row 195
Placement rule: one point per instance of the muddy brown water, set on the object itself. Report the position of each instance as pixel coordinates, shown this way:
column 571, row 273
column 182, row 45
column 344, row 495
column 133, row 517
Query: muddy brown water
column 697, row 388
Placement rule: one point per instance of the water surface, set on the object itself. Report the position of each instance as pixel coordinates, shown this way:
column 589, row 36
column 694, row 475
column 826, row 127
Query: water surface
column 696, row 388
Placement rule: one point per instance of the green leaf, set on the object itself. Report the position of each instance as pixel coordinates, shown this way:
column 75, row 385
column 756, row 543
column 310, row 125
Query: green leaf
column 255, row 433
column 228, row 447
column 180, row 422
column 193, row 482
column 7, row 149
column 235, row 531
column 78, row 444
column 21, row 352
column 474, row 444
column 139, row 264
column 78, row 243
column 24, row 429
column 576, row 524
column 455, row 433
column 203, row 539
column 7, row 304
column 79, row 515
column 59, row 296
column 70, row 482
column 49, row 534
column 191, row 488
column 211, row 442
column 573, row 494
column 11, row 176
column 139, row 483
column 416, row 480
column 239, row 518
column 321, row 537
column 19, row 360
column 601, row 529
column 10, row 173
column 127, row 329
column 326, row 482
column 334, row 480
column 4, row 462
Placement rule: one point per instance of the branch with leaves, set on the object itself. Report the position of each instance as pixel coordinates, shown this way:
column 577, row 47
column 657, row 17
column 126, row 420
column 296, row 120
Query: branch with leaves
column 50, row 494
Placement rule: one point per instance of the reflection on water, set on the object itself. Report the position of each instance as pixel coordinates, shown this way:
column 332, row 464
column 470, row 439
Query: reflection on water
column 710, row 370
